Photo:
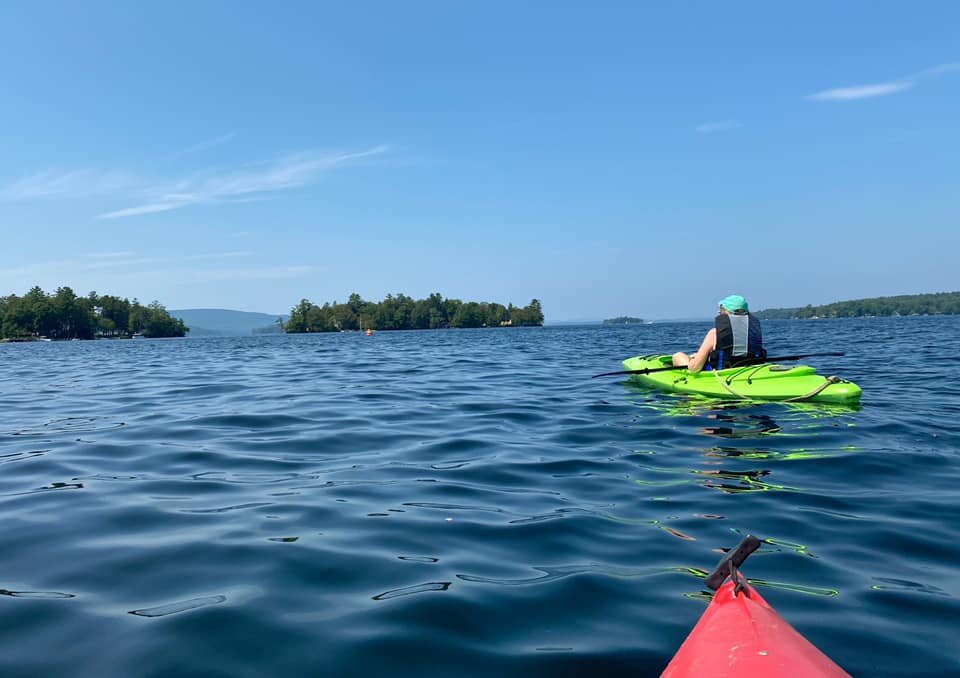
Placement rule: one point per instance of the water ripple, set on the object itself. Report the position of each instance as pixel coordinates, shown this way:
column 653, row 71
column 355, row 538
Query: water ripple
column 37, row 595
column 180, row 606
column 416, row 503
column 413, row 590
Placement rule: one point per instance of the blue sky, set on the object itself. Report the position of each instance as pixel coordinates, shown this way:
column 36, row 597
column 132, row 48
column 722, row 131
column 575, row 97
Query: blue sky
column 606, row 158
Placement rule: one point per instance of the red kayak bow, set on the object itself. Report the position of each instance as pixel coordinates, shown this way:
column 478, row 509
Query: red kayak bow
column 740, row 634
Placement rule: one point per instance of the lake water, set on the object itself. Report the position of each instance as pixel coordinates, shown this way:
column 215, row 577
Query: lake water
column 465, row 502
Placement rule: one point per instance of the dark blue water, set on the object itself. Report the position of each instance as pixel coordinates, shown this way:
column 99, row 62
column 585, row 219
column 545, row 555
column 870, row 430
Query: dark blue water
column 447, row 502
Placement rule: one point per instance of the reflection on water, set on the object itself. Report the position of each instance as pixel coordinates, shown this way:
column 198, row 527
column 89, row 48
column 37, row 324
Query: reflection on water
column 730, row 481
column 796, row 588
column 741, row 481
column 761, row 583
column 890, row 584
column 761, row 453
column 739, row 421
column 751, row 426
column 688, row 404
column 802, row 549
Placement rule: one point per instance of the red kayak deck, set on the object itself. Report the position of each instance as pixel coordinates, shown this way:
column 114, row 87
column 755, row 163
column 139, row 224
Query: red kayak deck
column 742, row 635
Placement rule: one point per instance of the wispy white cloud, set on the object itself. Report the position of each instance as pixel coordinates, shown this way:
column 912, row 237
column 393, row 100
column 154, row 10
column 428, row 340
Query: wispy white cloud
column 883, row 88
column 261, row 273
column 142, row 209
column 111, row 255
column 244, row 184
column 291, row 172
column 76, row 183
column 203, row 145
column 221, row 255
column 861, row 91
column 942, row 69
column 119, row 260
column 718, row 126
column 70, row 269
column 119, row 263
column 84, row 273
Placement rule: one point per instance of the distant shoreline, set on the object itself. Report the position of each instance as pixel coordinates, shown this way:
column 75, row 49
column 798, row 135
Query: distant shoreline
column 939, row 303
column 400, row 312
column 624, row 320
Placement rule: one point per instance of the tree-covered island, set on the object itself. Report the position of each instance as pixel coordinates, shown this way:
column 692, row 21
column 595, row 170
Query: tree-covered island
column 623, row 320
column 400, row 312
column 940, row 303
column 64, row 315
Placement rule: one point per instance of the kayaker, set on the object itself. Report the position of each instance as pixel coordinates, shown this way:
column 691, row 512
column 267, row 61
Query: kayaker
column 739, row 336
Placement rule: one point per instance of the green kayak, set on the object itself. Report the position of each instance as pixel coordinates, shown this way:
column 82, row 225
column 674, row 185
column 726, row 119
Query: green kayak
column 769, row 381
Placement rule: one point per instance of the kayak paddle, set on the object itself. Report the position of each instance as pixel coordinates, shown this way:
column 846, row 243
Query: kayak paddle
column 784, row 358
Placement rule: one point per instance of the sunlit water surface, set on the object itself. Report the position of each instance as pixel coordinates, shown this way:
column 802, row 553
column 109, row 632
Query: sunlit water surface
column 436, row 503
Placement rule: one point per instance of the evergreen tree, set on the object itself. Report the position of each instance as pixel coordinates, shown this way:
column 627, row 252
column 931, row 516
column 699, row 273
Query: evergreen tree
column 401, row 312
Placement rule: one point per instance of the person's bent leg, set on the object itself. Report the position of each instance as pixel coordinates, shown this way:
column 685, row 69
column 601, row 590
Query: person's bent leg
column 681, row 359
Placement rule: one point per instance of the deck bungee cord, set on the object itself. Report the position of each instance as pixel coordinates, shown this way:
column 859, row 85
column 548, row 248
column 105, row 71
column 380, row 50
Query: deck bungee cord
column 764, row 381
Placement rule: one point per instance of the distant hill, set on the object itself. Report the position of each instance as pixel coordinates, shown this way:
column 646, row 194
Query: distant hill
column 940, row 303
column 224, row 322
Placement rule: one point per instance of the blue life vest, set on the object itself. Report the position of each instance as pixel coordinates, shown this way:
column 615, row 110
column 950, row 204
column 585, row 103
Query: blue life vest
column 739, row 341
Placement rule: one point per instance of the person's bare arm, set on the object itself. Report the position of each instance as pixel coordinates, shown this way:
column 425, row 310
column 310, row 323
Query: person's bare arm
column 700, row 358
